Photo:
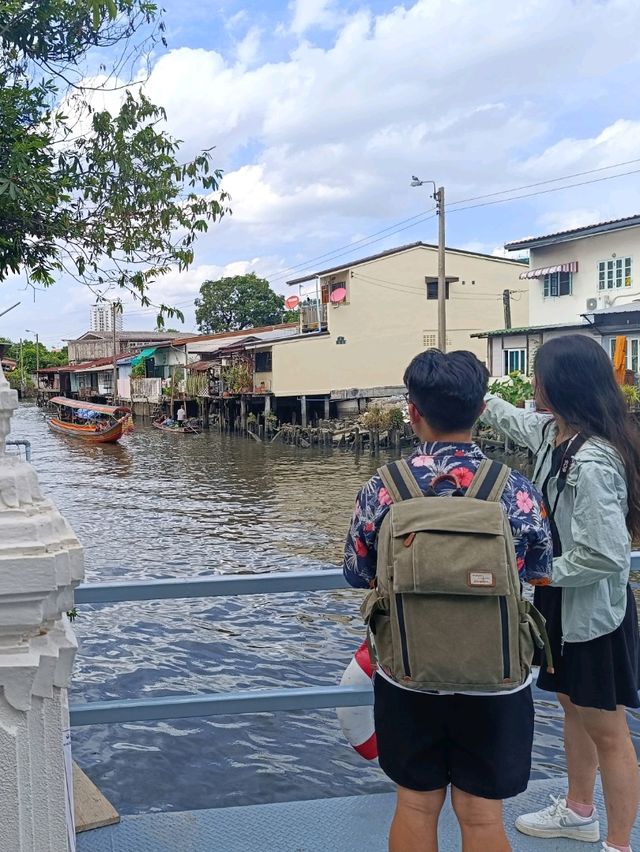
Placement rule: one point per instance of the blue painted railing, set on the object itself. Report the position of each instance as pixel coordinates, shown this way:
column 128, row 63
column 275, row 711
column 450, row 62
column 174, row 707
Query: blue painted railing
column 215, row 704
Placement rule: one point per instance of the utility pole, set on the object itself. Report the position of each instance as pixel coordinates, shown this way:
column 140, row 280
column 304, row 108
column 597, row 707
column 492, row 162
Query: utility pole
column 442, row 278
column 438, row 196
column 30, row 331
column 114, row 308
column 506, row 301
column 22, row 385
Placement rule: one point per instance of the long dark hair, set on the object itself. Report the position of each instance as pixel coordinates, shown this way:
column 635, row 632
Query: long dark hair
column 577, row 382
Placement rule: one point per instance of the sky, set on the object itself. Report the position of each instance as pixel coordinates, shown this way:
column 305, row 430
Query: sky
column 320, row 112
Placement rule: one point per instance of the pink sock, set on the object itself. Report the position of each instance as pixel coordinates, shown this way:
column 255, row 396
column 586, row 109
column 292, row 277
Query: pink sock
column 618, row 848
column 580, row 809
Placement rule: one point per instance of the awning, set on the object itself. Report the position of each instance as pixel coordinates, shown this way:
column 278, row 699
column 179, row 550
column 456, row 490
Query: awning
column 572, row 266
column 90, row 406
column 142, row 356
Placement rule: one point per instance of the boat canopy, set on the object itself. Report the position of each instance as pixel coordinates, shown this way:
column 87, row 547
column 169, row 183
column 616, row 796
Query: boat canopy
column 90, row 406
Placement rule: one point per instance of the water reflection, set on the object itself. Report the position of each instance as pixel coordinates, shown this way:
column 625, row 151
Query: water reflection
column 159, row 505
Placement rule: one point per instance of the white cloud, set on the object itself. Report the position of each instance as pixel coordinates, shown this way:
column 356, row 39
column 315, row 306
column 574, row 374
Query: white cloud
column 248, row 49
column 319, row 130
column 312, row 13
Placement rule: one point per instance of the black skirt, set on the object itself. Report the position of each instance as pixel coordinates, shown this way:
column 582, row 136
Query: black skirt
column 601, row 673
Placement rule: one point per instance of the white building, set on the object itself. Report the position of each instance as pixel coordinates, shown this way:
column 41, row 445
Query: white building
column 578, row 271
column 582, row 281
column 102, row 317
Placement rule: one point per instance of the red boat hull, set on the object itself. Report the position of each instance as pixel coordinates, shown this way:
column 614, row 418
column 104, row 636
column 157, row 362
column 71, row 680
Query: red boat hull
column 88, row 433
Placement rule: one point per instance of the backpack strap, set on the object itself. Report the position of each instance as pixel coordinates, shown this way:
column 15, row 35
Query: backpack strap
column 399, row 481
column 489, row 481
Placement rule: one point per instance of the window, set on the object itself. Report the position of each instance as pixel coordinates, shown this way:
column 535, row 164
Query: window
column 432, row 290
column 633, row 352
column 515, row 360
column 557, row 284
column 614, row 273
column 430, row 340
column 263, row 362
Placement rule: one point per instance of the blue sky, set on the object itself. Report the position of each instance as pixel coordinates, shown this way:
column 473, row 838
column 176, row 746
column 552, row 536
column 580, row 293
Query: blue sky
column 321, row 111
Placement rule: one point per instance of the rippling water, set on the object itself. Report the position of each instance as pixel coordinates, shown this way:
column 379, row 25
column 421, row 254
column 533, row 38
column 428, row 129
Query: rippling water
column 159, row 505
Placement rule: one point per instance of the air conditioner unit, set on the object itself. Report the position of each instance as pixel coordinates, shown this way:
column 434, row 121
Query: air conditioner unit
column 598, row 302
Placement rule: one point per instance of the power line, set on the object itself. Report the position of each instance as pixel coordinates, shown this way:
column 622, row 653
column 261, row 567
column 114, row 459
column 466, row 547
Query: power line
column 336, row 253
column 544, row 182
column 547, row 191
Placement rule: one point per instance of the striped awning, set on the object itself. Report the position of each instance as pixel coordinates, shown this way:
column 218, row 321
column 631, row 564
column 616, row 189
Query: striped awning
column 572, row 266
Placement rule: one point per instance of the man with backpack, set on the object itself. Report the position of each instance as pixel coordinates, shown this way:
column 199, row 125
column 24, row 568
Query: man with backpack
column 449, row 633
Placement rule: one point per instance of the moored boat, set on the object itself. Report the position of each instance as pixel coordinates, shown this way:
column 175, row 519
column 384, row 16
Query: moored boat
column 190, row 427
column 89, row 422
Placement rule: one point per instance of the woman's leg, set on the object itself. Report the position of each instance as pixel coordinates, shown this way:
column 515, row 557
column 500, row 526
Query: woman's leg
column 581, row 754
column 618, row 768
column 415, row 823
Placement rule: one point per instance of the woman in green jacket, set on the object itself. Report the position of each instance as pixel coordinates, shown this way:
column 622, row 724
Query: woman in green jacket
column 588, row 469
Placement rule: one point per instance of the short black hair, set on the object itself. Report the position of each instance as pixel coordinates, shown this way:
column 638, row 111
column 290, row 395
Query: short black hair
column 447, row 389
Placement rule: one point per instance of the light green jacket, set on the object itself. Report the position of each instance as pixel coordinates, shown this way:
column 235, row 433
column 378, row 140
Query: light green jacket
column 593, row 570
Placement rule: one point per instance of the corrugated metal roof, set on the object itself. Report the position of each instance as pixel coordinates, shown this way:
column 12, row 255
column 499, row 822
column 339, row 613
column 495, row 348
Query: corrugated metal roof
column 531, row 329
column 576, row 233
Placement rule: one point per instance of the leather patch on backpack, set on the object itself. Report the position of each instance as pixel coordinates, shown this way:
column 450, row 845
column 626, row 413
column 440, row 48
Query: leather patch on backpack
column 481, row 579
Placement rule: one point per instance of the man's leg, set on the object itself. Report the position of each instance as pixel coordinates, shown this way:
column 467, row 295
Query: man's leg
column 480, row 823
column 618, row 768
column 415, row 824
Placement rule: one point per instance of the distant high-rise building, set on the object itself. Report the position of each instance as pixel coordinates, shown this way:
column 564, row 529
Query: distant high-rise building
column 102, row 317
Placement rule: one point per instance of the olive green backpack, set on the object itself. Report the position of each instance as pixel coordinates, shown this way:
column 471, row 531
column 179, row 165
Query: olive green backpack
column 447, row 612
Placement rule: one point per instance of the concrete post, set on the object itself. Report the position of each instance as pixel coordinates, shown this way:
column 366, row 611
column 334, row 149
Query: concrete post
column 303, row 411
column 41, row 562
column 327, row 408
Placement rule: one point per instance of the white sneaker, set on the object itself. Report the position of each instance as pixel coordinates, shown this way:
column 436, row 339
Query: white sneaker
column 560, row 821
column 607, row 848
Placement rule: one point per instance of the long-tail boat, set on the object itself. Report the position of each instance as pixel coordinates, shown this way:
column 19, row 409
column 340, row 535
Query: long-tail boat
column 89, row 422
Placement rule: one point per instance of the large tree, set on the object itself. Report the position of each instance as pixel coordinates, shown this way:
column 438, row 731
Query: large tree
column 241, row 301
column 97, row 193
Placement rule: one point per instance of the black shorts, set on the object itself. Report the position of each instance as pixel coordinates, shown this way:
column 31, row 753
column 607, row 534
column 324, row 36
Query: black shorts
column 480, row 744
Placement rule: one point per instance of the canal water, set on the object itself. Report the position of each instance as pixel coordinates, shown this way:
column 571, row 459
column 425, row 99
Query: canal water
column 158, row 506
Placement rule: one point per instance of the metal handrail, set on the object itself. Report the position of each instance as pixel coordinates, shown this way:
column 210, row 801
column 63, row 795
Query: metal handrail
column 21, row 442
column 275, row 582
column 215, row 704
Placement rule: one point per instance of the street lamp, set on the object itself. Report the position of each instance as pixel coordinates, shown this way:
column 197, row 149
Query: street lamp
column 29, row 331
column 438, row 196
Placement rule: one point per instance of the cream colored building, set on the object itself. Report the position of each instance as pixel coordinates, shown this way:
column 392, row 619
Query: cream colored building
column 385, row 313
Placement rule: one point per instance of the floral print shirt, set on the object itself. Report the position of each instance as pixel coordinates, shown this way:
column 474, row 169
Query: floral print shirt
column 521, row 500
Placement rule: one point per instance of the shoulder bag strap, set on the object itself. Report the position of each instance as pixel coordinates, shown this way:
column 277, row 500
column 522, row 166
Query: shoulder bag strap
column 565, row 466
column 489, row 481
column 399, row 481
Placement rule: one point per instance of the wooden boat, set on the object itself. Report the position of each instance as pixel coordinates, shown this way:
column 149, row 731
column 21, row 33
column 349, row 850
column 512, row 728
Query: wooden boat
column 108, row 428
column 189, row 428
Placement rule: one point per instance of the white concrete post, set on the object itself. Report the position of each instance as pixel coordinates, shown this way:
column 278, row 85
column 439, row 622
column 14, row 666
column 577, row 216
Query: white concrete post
column 40, row 563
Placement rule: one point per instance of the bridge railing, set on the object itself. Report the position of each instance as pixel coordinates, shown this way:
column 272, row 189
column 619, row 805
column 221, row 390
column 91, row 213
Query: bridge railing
column 214, row 704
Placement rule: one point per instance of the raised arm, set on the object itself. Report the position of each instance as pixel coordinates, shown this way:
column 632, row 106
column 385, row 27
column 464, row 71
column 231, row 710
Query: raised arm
column 525, row 428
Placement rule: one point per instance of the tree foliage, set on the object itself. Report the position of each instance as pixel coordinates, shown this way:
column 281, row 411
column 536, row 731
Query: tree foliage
column 237, row 302
column 46, row 357
column 98, row 194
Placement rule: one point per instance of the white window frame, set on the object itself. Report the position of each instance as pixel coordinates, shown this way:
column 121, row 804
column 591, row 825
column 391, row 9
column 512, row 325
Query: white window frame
column 615, row 273
column 521, row 353
column 549, row 284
